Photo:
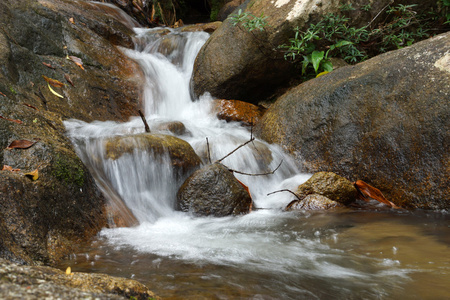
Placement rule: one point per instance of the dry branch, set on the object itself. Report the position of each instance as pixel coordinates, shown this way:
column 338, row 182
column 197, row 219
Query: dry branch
column 147, row 129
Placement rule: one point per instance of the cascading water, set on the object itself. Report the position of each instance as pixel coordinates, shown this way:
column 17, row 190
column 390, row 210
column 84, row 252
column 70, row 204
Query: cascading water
column 282, row 255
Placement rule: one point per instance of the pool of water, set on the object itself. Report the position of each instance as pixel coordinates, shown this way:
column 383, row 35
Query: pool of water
column 269, row 254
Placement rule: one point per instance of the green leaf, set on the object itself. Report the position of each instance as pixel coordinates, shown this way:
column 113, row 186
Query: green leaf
column 305, row 63
column 327, row 65
column 316, row 58
column 343, row 43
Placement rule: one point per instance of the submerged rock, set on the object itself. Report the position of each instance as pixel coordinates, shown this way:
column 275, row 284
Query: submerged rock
column 25, row 282
column 313, row 202
column 174, row 127
column 329, row 185
column 384, row 121
column 213, row 191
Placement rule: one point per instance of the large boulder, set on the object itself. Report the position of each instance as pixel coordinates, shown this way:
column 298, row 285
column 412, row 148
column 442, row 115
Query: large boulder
column 249, row 66
column 384, row 121
column 45, row 219
column 213, row 191
column 313, row 202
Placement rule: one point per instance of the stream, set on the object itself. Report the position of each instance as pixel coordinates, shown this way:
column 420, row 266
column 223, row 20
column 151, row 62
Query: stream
column 371, row 253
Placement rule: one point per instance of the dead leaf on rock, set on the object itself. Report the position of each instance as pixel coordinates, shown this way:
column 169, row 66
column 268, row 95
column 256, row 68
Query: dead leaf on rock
column 367, row 190
column 9, row 168
column 67, row 77
column 71, row 20
column 20, row 144
column 11, row 120
column 77, row 61
column 53, row 82
column 53, row 92
column 33, row 175
column 48, row 65
column 2, row 94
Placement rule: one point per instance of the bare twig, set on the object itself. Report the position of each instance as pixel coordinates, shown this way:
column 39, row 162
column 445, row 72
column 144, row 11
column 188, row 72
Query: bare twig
column 240, row 146
column 259, row 174
column 41, row 96
column 279, row 191
column 209, row 153
column 147, row 129
column 379, row 13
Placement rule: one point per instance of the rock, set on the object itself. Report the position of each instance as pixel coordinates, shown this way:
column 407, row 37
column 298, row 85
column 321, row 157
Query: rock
column 25, row 282
column 384, row 121
column 174, row 127
column 228, row 8
column 249, row 66
column 213, row 191
column 41, row 221
column 313, row 202
column 207, row 27
column 183, row 157
column 238, row 111
column 330, row 185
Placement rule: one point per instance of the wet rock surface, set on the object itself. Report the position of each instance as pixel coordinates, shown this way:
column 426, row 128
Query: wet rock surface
column 42, row 220
column 238, row 111
column 182, row 155
column 329, row 185
column 26, row 282
column 313, row 202
column 213, row 191
column 384, row 121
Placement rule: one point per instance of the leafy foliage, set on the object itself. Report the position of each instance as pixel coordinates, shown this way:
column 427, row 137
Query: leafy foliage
column 249, row 21
column 334, row 36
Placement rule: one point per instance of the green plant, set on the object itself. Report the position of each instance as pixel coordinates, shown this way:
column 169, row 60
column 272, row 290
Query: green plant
column 249, row 21
column 367, row 7
column 346, row 7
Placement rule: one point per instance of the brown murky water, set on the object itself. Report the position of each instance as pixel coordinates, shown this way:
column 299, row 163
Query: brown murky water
column 343, row 254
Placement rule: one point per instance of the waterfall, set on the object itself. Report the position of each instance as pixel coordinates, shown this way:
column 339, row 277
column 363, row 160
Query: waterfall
column 147, row 185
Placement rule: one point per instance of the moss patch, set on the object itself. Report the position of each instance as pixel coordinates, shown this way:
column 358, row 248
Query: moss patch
column 69, row 170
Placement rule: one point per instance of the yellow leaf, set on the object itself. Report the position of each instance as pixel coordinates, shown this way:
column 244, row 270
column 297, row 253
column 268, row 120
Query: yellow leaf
column 53, row 92
column 33, row 175
column 68, row 271
column 322, row 73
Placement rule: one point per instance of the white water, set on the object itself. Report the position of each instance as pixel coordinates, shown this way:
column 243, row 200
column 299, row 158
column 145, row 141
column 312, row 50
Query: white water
column 265, row 240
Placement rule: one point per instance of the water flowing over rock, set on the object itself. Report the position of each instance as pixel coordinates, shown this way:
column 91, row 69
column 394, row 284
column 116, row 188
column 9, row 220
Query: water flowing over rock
column 384, row 121
column 236, row 64
column 183, row 157
column 213, row 191
column 43, row 220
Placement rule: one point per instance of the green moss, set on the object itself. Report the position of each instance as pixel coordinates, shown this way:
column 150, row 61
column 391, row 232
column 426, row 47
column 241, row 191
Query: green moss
column 69, row 171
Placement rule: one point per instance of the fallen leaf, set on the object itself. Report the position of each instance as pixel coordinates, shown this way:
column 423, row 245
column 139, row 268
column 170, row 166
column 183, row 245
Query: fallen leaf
column 68, row 271
column 31, row 106
column 48, row 65
column 67, row 77
column 53, row 82
column 245, row 187
column 53, row 92
column 9, row 168
column 71, row 20
column 20, row 144
column 367, row 190
column 33, row 175
column 11, row 120
column 77, row 61
column 2, row 94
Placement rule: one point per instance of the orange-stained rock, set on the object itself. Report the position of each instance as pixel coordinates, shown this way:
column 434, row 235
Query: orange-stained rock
column 239, row 111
